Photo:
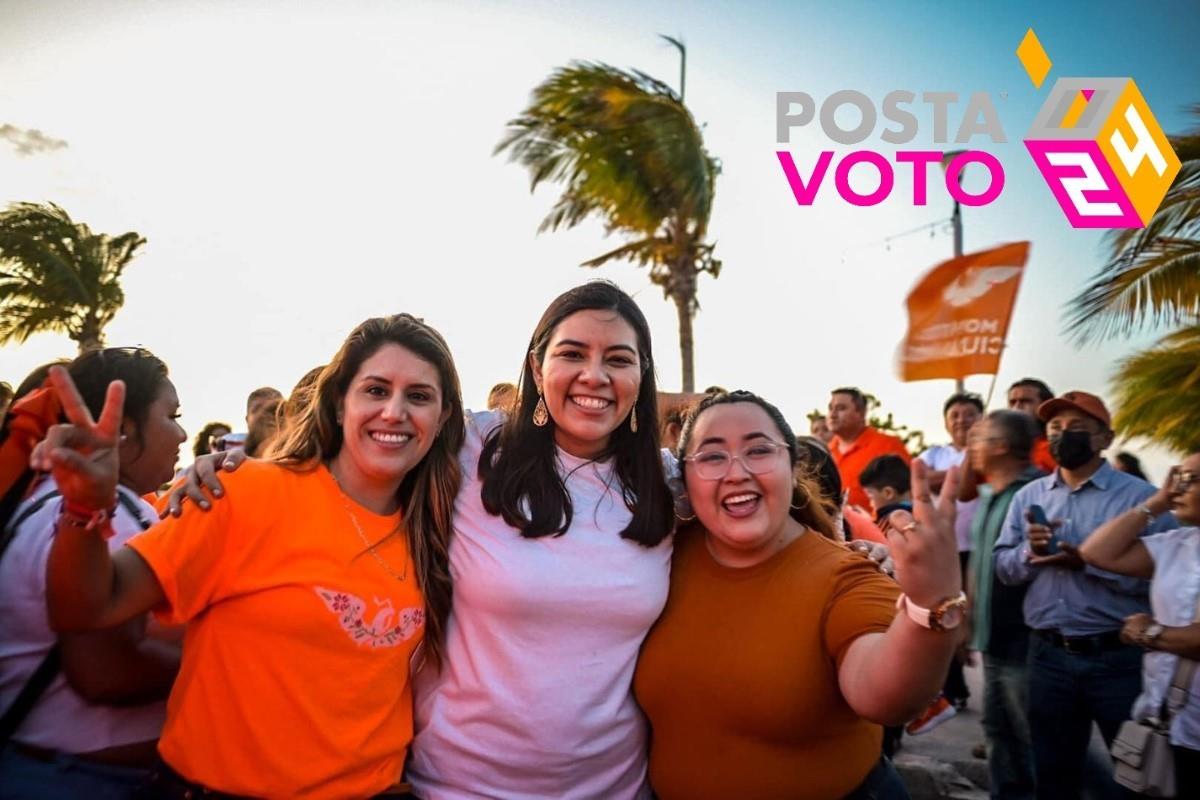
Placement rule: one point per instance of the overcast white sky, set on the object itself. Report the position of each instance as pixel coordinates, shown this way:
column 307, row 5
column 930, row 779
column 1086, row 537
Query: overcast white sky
column 298, row 167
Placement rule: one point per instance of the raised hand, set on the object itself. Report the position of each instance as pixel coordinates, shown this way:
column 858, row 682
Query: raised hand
column 83, row 455
column 923, row 543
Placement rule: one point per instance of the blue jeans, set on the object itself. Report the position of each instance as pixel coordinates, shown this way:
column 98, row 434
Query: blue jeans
column 26, row 778
column 1006, row 725
column 1067, row 693
column 881, row 783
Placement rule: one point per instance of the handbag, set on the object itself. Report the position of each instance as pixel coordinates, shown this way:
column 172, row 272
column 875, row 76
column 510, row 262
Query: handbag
column 1142, row 756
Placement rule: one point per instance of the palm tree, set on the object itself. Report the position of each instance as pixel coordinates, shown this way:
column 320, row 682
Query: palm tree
column 56, row 275
column 627, row 151
column 1152, row 279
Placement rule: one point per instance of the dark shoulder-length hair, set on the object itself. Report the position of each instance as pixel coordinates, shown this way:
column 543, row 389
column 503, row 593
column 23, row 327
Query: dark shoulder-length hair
column 427, row 492
column 809, row 506
column 519, row 464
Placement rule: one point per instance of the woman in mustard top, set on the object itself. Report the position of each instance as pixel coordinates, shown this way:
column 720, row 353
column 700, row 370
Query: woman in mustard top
column 780, row 652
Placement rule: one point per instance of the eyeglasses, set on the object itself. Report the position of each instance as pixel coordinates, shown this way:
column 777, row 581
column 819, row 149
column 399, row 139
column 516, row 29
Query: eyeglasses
column 757, row 458
column 1185, row 481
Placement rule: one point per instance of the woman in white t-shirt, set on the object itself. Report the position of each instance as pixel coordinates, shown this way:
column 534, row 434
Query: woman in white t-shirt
column 1171, row 561
column 93, row 729
column 561, row 560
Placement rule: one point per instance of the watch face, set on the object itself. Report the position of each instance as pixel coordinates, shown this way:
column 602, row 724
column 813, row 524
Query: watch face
column 952, row 617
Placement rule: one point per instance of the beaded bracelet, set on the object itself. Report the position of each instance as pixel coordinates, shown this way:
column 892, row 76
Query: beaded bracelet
column 88, row 519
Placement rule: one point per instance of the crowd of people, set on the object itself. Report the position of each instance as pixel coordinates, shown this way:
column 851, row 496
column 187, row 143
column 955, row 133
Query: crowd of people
column 592, row 589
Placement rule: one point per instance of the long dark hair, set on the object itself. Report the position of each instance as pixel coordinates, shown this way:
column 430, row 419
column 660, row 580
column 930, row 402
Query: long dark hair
column 519, row 464
column 143, row 374
column 428, row 490
column 808, row 506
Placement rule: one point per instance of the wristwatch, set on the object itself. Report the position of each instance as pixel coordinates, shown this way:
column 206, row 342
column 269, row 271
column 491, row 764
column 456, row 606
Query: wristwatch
column 945, row 616
column 1151, row 634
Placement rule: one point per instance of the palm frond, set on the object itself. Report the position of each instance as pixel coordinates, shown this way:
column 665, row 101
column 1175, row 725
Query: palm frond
column 1158, row 392
column 1152, row 276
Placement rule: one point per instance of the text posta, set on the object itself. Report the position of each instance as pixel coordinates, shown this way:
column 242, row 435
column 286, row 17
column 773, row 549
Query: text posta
column 797, row 109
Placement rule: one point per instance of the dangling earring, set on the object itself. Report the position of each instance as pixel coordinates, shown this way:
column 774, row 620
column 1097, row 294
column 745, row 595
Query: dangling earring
column 540, row 415
column 633, row 420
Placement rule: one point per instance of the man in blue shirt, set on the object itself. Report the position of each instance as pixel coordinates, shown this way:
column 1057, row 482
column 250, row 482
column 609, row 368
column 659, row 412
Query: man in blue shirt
column 1079, row 671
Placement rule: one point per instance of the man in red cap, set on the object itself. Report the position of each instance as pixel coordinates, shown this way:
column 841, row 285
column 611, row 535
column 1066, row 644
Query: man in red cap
column 1079, row 670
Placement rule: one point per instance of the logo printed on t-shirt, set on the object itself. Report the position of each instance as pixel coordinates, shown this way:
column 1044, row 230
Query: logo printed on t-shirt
column 384, row 628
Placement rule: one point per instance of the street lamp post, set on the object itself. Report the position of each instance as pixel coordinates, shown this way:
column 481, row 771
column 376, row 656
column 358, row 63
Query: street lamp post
column 956, row 219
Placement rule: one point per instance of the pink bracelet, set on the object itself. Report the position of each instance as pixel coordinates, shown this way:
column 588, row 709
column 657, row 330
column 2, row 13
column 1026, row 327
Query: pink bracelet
column 88, row 519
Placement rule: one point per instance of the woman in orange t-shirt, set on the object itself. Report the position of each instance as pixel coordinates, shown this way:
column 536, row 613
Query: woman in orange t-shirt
column 780, row 651
column 305, row 593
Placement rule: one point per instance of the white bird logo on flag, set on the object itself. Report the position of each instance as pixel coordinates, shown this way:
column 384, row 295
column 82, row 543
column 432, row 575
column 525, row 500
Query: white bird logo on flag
column 975, row 282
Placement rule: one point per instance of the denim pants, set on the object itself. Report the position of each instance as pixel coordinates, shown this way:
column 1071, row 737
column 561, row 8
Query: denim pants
column 881, row 783
column 1006, row 725
column 26, row 778
column 1067, row 693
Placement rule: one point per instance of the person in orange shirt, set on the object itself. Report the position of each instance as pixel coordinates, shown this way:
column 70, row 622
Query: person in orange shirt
column 855, row 443
column 305, row 593
column 1025, row 396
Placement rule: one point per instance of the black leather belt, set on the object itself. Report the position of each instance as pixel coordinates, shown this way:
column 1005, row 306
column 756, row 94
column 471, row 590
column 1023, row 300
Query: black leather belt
column 48, row 756
column 1084, row 645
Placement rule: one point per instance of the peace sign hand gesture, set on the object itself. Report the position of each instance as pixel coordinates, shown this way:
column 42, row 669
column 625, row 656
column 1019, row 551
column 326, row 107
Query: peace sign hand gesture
column 923, row 543
column 83, row 455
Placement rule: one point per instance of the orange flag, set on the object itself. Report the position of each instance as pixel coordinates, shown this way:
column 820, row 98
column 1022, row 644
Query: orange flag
column 958, row 315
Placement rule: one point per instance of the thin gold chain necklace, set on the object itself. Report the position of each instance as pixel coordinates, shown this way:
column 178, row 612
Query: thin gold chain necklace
column 367, row 542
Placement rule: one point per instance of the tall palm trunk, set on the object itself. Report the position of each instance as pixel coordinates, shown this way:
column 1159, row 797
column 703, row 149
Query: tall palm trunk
column 683, row 292
column 90, row 337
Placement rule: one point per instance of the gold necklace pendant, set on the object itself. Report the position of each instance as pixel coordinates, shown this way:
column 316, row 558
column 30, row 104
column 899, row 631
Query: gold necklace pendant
column 371, row 548
column 363, row 536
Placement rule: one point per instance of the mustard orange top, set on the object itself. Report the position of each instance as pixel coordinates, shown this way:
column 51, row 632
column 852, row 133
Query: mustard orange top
column 739, row 675
column 850, row 461
column 295, row 674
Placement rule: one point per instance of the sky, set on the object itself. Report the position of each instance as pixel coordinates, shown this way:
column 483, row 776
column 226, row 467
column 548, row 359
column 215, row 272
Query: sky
column 298, row 167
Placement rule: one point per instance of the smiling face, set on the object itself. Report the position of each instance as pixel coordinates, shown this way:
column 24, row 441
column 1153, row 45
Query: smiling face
column 149, row 451
column 959, row 419
column 590, row 377
column 390, row 414
column 746, row 514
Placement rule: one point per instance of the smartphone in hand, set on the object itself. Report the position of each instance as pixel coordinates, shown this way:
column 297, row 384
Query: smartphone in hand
column 1036, row 514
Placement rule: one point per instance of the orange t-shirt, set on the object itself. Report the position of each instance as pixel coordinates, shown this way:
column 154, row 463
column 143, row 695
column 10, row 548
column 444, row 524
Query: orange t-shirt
column 739, row 675
column 295, row 674
column 1041, row 456
column 869, row 445
column 862, row 526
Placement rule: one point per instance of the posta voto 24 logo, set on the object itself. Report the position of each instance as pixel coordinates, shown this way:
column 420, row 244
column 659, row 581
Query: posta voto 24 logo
column 1095, row 142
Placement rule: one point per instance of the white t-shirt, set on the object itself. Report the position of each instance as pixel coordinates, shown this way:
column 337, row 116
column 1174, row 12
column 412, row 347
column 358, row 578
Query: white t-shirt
column 61, row 720
column 534, row 699
column 1174, row 592
column 941, row 458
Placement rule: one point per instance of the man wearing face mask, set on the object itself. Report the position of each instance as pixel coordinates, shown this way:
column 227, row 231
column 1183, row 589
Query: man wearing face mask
column 1079, row 670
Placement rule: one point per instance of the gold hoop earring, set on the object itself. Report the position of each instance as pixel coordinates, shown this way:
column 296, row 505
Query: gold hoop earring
column 633, row 420
column 540, row 415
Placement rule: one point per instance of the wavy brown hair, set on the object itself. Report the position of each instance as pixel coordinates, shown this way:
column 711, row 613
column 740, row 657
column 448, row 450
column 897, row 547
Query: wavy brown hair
column 809, row 507
column 427, row 492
